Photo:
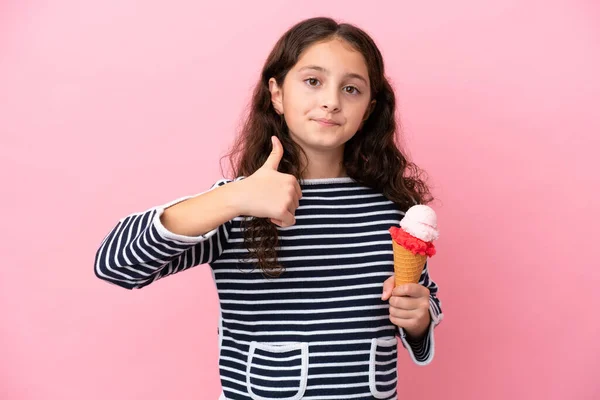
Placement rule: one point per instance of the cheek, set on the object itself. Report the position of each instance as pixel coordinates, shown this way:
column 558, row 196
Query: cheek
column 356, row 113
column 299, row 99
column 299, row 103
column 289, row 102
column 294, row 111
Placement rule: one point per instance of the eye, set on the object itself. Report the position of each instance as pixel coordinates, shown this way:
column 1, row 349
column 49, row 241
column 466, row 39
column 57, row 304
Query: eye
column 351, row 90
column 312, row 81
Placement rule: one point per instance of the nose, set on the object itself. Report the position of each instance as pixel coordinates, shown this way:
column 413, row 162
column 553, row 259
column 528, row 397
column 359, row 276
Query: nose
column 330, row 102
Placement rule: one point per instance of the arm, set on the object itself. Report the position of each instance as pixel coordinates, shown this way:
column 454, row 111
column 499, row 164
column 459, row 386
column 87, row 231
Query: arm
column 164, row 240
column 422, row 349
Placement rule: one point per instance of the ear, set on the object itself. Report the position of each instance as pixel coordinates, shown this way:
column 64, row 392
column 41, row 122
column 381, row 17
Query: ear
column 368, row 113
column 276, row 96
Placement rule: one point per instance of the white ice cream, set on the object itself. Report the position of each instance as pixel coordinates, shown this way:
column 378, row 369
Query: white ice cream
column 420, row 221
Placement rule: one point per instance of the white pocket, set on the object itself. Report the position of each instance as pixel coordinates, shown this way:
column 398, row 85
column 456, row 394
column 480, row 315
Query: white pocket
column 273, row 371
column 383, row 364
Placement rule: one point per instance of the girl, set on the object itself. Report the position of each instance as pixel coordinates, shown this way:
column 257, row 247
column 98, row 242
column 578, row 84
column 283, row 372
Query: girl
column 298, row 239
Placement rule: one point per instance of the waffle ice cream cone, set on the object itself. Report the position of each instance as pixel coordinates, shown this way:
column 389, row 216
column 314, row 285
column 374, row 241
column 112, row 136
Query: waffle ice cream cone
column 407, row 266
column 412, row 243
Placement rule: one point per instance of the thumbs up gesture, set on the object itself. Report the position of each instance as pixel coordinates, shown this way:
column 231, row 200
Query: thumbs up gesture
column 270, row 194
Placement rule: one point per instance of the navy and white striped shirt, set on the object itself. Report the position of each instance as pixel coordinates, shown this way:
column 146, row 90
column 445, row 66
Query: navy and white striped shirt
column 320, row 330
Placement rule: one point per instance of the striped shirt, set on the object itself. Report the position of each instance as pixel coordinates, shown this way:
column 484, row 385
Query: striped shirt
column 320, row 330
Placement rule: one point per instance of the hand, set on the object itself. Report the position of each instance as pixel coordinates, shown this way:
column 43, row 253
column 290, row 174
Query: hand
column 409, row 306
column 270, row 194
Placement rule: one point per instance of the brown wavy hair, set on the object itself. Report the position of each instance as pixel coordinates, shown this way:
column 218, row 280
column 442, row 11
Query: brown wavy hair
column 371, row 157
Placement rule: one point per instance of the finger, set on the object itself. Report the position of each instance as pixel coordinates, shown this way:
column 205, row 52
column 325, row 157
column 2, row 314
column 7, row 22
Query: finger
column 388, row 287
column 276, row 154
column 406, row 323
column 294, row 204
column 295, row 201
column 411, row 290
column 292, row 208
column 298, row 190
column 405, row 303
column 288, row 219
column 401, row 314
column 276, row 222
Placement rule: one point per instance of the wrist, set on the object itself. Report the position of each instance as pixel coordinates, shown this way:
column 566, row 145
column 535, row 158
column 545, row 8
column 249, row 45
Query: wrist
column 417, row 334
column 235, row 199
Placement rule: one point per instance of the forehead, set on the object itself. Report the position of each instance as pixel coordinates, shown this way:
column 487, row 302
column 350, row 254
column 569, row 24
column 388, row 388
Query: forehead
column 335, row 55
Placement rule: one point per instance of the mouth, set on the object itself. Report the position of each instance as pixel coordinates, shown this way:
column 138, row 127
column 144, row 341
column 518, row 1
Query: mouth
column 325, row 122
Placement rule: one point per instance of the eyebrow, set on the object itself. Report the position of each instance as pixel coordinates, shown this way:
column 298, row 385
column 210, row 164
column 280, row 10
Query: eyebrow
column 326, row 71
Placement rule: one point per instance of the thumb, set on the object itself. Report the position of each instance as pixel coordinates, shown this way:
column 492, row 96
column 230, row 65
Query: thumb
column 388, row 287
column 276, row 154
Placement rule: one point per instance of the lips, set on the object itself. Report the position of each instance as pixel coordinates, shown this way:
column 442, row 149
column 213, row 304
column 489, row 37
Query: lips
column 326, row 122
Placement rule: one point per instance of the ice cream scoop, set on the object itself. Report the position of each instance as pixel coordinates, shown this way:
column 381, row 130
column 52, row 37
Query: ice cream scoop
column 421, row 222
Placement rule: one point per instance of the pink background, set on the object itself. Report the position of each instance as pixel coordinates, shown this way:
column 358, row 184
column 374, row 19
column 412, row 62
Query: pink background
column 111, row 107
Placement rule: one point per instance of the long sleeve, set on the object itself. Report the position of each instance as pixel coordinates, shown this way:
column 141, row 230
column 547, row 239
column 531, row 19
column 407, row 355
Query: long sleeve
column 140, row 250
column 422, row 351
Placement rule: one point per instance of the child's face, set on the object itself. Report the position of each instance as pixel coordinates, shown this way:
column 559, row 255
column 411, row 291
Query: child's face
column 325, row 97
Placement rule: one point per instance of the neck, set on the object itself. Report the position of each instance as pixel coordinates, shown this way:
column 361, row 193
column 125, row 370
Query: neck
column 321, row 165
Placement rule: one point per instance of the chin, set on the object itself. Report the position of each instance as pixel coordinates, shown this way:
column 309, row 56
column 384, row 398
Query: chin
column 325, row 143
column 322, row 139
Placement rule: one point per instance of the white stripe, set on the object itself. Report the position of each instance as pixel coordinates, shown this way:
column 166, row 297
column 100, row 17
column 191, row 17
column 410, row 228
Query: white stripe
column 336, row 397
column 310, row 376
column 312, row 353
column 319, row 257
column 322, row 246
column 386, row 353
column 310, row 333
column 359, row 224
column 325, row 236
column 303, row 323
column 336, row 206
column 337, row 216
column 389, row 371
column 311, row 279
column 305, row 311
column 277, row 390
column 265, row 367
column 298, row 290
column 319, row 267
column 271, row 378
column 218, row 242
column 317, row 343
column 358, row 196
column 210, row 249
column 337, row 386
column 281, row 301
column 333, row 386
column 394, row 361
column 342, row 189
column 202, row 252
column 263, row 357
